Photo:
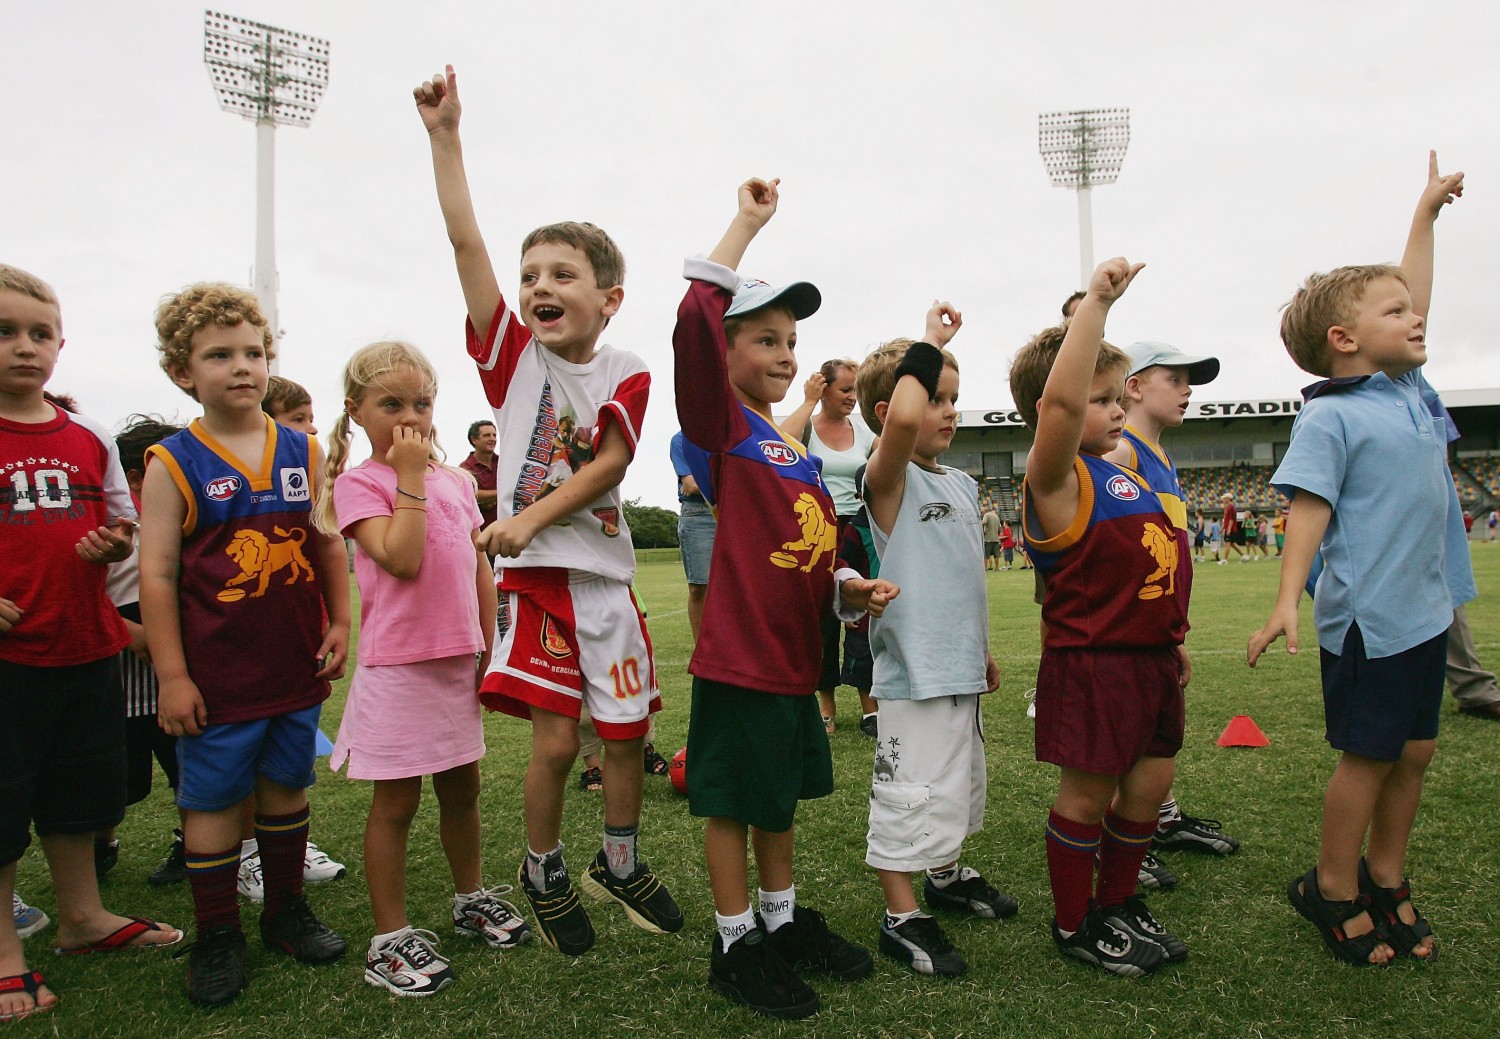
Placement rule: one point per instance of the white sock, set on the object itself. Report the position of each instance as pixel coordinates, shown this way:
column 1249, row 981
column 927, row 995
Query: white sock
column 380, row 939
column 897, row 919
column 941, row 878
column 248, row 848
column 464, row 898
column 1168, row 813
column 776, row 907
column 733, row 928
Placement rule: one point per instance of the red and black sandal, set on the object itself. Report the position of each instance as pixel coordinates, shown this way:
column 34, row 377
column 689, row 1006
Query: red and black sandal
column 1404, row 937
column 32, row 982
column 1330, row 916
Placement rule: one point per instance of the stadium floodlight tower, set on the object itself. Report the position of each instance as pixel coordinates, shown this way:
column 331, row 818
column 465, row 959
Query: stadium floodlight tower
column 271, row 76
column 1081, row 149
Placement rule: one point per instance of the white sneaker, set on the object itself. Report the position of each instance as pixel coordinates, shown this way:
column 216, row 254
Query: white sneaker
column 408, row 965
column 29, row 919
column 251, row 884
column 1030, row 695
column 318, row 868
column 488, row 917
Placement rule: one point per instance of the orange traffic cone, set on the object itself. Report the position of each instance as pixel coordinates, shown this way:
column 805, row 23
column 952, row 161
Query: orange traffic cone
column 1243, row 732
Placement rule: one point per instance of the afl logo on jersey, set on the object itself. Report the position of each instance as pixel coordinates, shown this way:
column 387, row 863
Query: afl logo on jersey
column 1123, row 487
column 294, row 486
column 222, row 489
column 778, row 453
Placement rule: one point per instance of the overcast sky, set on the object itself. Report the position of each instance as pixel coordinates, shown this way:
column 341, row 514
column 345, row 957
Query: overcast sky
column 1267, row 141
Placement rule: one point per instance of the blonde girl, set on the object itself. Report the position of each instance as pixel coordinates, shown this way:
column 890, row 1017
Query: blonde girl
column 427, row 612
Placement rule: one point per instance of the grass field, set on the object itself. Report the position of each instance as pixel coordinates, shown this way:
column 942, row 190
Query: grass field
column 1256, row 969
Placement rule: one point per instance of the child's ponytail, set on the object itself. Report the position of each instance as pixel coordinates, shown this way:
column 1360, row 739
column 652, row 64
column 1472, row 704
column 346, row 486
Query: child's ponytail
column 324, row 516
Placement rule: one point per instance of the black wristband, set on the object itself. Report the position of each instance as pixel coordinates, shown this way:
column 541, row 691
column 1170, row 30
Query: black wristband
column 924, row 361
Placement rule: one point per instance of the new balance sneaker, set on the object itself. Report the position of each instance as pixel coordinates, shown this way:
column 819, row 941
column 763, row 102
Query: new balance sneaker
column 753, row 973
column 1030, row 696
column 29, row 919
column 920, row 944
column 971, row 894
column 295, row 931
column 806, row 943
column 870, row 726
column 1133, row 917
column 252, row 885
column 173, row 868
column 561, row 920
column 645, row 899
column 1153, row 876
column 491, row 919
column 216, row 966
column 317, row 867
column 1189, row 834
column 407, row 964
column 106, row 855
column 1101, row 944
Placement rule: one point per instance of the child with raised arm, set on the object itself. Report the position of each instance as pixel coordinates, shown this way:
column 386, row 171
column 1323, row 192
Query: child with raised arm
column 931, row 650
column 235, row 585
column 1390, row 583
column 1109, row 688
column 65, row 514
column 1158, row 385
column 757, row 738
column 415, row 522
column 565, row 560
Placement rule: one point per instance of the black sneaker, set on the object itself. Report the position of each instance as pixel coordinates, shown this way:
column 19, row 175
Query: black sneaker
column 1132, row 915
column 645, row 899
column 971, row 894
column 106, row 854
column 870, row 726
column 561, row 920
column 173, row 868
column 920, row 944
column 216, row 966
column 1153, row 876
column 753, row 973
column 295, row 931
column 1101, row 944
column 806, row 943
column 1189, row 834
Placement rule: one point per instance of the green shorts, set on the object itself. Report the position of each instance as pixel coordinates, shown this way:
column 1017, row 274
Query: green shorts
column 752, row 756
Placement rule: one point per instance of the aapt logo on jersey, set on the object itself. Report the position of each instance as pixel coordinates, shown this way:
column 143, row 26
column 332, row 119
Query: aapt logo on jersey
column 778, row 453
column 1123, row 487
column 223, row 488
column 295, row 485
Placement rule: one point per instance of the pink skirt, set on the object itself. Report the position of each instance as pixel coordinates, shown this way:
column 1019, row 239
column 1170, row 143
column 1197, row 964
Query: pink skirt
column 404, row 720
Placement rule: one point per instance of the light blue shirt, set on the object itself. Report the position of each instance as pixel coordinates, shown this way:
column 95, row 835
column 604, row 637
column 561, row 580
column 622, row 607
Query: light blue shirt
column 1395, row 556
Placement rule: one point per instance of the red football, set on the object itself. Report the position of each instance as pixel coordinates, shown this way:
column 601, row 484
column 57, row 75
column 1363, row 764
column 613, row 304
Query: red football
column 677, row 771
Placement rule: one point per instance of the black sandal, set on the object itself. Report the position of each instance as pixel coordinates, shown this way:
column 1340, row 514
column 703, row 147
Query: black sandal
column 1330, row 916
column 1404, row 937
column 591, row 780
column 656, row 765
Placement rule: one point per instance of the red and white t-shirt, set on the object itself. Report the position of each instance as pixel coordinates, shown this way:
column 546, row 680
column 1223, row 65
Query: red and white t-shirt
column 58, row 480
column 550, row 417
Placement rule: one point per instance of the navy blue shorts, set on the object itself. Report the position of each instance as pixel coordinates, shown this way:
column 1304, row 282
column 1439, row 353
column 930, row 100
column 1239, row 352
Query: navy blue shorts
column 1373, row 707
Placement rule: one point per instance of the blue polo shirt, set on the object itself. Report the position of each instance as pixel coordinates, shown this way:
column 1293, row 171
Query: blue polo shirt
column 1395, row 556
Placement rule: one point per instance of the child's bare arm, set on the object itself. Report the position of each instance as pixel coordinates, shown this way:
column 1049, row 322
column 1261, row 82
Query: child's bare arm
column 1304, row 533
column 180, row 710
column 1416, row 261
column 332, row 565
column 396, row 542
column 757, row 204
column 885, row 473
column 489, row 606
column 509, row 537
column 438, row 105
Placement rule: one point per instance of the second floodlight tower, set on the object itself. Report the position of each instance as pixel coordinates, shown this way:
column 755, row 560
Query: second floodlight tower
column 270, row 76
column 1081, row 149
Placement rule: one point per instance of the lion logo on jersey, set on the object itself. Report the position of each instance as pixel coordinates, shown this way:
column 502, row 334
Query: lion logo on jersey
column 258, row 557
column 1163, row 549
column 819, row 537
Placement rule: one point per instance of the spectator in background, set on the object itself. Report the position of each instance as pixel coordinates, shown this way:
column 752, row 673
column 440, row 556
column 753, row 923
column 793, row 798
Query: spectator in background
column 695, row 532
column 481, row 465
column 990, row 524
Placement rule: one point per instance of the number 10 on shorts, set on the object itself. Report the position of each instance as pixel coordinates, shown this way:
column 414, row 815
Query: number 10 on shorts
column 627, row 678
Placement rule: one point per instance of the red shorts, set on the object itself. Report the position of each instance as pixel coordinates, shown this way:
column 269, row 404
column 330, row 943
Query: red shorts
column 1102, row 711
column 560, row 642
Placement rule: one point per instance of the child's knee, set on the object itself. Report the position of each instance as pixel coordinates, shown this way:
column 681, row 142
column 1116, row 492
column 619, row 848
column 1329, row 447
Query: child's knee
column 457, row 788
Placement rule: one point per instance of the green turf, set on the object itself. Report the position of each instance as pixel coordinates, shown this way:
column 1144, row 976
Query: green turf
column 1256, row 968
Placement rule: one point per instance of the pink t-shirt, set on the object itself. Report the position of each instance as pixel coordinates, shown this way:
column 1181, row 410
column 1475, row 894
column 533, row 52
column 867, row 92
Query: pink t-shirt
column 436, row 613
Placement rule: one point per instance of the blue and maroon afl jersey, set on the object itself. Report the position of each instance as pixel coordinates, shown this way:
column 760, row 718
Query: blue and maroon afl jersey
column 1118, row 577
column 248, row 597
column 1160, row 475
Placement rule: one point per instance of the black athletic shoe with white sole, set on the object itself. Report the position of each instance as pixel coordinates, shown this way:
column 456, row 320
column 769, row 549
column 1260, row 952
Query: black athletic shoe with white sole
column 921, row 944
column 1186, row 833
column 751, row 972
column 970, row 894
column 1133, row 916
column 806, row 943
column 1101, row 944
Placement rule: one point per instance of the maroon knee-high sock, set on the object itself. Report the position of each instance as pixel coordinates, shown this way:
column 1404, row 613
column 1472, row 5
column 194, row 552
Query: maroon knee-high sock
column 283, row 846
column 214, row 879
column 1071, row 847
column 1122, row 850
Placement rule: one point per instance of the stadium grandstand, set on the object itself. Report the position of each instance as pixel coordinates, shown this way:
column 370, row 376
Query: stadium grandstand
column 1229, row 447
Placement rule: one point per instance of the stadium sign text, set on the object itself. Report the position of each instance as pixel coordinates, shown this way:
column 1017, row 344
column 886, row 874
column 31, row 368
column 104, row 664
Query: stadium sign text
column 1196, row 410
